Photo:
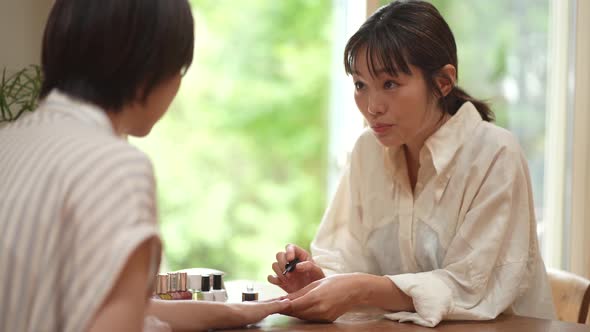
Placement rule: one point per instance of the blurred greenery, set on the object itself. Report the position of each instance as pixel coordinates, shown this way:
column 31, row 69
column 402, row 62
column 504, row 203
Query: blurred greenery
column 240, row 158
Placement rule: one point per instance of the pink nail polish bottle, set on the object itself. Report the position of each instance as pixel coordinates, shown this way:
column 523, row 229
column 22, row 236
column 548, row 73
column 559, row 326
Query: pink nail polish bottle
column 182, row 291
column 173, row 286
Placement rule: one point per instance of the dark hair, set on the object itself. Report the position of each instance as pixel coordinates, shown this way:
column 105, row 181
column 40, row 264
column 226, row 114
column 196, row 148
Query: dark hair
column 113, row 52
column 415, row 32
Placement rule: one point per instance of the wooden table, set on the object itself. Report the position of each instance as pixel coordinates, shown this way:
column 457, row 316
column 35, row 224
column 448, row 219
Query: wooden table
column 367, row 319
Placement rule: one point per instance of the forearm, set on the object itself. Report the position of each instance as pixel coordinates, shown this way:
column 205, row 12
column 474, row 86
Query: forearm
column 380, row 291
column 193, row 315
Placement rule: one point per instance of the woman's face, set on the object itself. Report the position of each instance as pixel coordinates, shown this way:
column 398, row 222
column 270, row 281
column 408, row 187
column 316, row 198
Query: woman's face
column 397, row 108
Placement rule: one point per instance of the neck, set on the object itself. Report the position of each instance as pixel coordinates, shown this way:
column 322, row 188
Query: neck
column 412, row 149
column 117, row 123
column 121, row 120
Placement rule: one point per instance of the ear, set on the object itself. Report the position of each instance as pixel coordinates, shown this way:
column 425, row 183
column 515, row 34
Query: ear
column 446, row 78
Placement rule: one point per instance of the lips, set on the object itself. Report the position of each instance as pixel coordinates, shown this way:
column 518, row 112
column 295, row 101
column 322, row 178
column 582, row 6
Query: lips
column 380, row 128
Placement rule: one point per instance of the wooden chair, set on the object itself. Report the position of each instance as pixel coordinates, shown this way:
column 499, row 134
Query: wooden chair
column 571, row 296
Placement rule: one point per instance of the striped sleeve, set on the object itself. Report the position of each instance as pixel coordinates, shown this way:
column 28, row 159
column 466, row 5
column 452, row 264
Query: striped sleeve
column 112, row 202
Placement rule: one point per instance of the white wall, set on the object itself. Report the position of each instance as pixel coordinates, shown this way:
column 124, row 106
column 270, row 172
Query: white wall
column 21, row 31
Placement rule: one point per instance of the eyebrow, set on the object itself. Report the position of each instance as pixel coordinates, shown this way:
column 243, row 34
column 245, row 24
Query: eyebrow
column 377, row 73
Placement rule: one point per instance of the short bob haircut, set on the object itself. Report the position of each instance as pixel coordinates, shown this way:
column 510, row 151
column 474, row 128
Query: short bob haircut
column 411, row 32
column 115, row 52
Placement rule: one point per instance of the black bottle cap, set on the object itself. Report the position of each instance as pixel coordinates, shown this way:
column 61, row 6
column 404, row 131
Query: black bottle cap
column 217, row 281
column 205, row 283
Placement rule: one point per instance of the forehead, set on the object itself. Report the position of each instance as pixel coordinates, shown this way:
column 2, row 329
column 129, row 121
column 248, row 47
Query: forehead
column 377, row 61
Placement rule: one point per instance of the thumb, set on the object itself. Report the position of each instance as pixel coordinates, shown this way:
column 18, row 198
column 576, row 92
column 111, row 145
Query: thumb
column 276, row 306
column 307, row 266
column 302, row 291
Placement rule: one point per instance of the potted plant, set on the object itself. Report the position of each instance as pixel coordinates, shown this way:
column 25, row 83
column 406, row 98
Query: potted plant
column 19, row 92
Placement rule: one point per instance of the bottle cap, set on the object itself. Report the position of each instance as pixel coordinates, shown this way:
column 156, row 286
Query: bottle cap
column 161, row 284
column 217, row 281
column 194, row 282
column 205, row 283
column 182, row 281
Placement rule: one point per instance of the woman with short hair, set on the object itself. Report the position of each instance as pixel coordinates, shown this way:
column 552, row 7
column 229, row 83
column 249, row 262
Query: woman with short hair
column 79, row 240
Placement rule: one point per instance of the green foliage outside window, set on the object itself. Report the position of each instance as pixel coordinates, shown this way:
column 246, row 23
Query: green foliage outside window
column 240, row 158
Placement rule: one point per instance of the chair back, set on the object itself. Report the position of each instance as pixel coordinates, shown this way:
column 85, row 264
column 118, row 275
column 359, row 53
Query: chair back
column 571, row 296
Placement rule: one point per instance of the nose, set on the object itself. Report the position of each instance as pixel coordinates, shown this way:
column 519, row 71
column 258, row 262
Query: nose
column 376, row 106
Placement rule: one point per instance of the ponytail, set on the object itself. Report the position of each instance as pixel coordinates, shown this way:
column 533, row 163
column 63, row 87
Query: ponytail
column 457, row 97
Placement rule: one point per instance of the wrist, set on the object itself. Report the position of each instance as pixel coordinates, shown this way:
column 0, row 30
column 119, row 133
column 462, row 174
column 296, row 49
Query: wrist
column 377, row 291
column 361, row 288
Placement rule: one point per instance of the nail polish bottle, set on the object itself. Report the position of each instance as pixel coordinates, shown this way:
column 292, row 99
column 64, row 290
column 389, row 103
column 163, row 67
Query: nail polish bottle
column 162, row 287
column 173, row 286
column 155, row 289
column 183, row 291
column 249, row 294
column 219, row 293
column 205, row 288
column 194, row 286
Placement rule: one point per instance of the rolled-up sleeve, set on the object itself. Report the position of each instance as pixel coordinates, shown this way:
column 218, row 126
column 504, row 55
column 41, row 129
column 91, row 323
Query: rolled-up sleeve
column 487, row 263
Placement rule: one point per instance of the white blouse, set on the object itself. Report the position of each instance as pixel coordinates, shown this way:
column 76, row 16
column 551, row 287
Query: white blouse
column 463, row 245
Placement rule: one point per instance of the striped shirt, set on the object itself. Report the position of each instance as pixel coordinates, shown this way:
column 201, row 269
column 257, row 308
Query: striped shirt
column 75, row 202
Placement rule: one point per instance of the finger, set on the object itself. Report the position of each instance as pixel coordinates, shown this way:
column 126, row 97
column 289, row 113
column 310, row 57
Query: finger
column 294, row 251
column 276, row 299
column 302, row 291
column 307, row 266
column 274, row 306
column 280, row 298
column 279, row 271
column 274, row 280
column 282, row 260
column 309, row 308
column 302, row 304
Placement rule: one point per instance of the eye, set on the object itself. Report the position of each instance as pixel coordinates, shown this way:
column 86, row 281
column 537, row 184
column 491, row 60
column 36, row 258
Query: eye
column 359, row 85
column 390, row 85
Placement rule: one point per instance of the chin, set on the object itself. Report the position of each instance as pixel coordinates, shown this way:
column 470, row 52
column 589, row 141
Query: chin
column 389, row 142
column 140, row 132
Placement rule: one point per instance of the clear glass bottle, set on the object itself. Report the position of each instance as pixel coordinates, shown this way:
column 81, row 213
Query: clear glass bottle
column 249, row 294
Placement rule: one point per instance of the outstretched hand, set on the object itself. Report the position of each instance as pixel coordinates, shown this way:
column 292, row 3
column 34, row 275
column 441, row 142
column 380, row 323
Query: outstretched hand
column 252, row 312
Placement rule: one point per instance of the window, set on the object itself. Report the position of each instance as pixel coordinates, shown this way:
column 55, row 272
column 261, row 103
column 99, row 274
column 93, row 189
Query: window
column 240, row 158
column 254, row 144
